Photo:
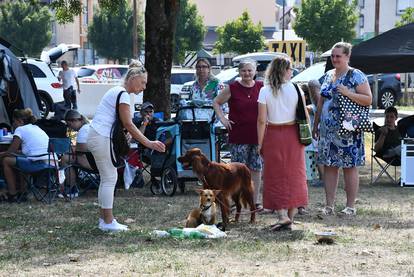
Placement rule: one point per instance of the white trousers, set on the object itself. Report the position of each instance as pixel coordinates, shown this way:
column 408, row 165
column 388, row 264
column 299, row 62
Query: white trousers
column 100, row 149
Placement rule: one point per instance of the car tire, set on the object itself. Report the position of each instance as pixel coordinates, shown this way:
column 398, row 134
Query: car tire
column 175, row 102
column 386, row 98
column 45, row 105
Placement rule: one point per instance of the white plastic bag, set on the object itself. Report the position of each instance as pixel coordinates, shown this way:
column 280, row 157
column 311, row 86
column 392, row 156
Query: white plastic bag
column 61, row 176
column 211, row 231
column 129, row 174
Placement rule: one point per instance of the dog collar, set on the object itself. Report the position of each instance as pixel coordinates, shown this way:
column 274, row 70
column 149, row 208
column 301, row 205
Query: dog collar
column 205, row 208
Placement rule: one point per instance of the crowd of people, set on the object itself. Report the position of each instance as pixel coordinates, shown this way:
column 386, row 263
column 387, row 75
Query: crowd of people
column 262, row 133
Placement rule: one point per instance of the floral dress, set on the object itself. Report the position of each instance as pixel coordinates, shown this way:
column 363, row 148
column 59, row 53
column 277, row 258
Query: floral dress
column 336, row 150
column 209, row 92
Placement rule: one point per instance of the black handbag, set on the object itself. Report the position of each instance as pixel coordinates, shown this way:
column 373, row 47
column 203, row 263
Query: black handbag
column 119, row 145
column 305, row 135
column 352, row 116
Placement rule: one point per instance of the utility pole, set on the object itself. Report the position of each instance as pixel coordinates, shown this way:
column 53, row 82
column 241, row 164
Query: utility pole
column 134, row 31
column 376, row 30
column 283, row 21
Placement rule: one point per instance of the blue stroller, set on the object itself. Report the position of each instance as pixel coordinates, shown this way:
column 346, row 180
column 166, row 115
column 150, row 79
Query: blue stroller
column 192, row 128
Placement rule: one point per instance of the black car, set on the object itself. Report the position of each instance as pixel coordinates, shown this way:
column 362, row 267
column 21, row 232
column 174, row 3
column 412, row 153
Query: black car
column 389, row 89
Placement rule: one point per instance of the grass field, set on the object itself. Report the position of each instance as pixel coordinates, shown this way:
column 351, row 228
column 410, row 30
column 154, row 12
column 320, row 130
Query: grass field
column 62, row 239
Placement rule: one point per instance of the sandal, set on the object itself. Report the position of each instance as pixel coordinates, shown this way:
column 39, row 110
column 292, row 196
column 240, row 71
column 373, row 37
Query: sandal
column 259, row 208
column 328, row 211
column 287, row 226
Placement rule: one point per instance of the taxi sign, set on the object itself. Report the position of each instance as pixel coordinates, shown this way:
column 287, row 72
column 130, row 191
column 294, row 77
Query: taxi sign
column 295, row 49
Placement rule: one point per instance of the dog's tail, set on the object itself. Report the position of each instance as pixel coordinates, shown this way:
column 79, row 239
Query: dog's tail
column 247, row 191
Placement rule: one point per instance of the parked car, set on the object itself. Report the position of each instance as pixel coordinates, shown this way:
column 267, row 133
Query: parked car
column 179, row 76
column 389, row 84
column 48, row 86
column 102, row 73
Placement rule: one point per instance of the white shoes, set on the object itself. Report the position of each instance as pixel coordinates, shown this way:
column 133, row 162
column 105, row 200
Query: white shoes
column 348, row 211
column 328, row 210
column 114, row 226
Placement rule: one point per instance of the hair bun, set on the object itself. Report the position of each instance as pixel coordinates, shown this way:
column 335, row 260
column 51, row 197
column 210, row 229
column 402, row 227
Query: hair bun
column 136, row 64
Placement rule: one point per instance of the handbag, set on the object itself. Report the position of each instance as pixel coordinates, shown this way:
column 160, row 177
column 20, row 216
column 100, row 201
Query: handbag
column 352, row 116
column 305, row 136
column 119, row 145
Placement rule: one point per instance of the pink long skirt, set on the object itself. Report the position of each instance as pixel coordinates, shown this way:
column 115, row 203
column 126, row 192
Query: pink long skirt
column 284, row 178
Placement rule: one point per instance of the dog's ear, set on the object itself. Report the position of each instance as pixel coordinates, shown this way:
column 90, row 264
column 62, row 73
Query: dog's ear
column 199, row 191
column 216, row 191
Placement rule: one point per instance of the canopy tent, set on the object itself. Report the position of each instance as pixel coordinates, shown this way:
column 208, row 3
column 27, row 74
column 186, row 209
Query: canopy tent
column 389, row 52
column 17, row 87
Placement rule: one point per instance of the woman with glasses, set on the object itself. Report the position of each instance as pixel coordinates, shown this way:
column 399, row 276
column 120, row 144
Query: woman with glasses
column 334, row 150
column 206, row 87
column 284, row 178
column 241, row 123
column 99, row 139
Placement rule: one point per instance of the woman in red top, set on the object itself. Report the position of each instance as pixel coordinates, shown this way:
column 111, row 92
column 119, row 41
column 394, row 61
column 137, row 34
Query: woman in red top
column 242, row 98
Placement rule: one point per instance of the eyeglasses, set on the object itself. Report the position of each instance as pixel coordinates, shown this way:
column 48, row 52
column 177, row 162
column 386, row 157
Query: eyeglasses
column 202, row 66
column 336, row 56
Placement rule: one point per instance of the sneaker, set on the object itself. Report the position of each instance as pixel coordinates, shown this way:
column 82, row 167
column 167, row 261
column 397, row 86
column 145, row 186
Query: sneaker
column 114, row 226
column 328, row 211
column 348, row 211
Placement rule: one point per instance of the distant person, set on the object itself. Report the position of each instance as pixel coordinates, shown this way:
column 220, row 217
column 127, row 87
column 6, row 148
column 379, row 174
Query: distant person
column 337, row 151
column 99, row 140
column 146, row 122
column 388, row 137
column 69, row 79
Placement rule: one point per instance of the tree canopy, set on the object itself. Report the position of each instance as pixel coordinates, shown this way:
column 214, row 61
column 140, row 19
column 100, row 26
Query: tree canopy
column 111, row 32
column 240, row 36
column 406, row 18
column 322, row 23
column 26, row 25
column 190, row 31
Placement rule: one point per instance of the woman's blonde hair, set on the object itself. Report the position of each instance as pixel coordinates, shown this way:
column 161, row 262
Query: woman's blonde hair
column 136, row 68
column 25, row 115
column 275, row 73
column 346, row 47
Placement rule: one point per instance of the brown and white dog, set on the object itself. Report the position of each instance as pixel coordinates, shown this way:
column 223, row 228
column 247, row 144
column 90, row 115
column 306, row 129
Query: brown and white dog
column 206, row 212
column 232, row 179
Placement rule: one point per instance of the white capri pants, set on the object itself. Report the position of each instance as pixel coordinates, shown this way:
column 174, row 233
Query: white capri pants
column 100, row 149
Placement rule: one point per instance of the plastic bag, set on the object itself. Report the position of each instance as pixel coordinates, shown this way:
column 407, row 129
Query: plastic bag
column 211, row 231
column 129, row 174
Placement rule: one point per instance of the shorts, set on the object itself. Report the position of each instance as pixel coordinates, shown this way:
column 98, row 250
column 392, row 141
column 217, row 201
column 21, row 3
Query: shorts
column 30, row 166
column 248, row 155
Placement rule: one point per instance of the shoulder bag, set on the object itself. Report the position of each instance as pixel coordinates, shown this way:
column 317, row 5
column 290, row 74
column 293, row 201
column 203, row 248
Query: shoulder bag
column 119, row 145
column 305, row 136
column 352, row 116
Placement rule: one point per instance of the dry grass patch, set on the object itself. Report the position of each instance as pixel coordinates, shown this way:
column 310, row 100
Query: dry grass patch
column 63, row 239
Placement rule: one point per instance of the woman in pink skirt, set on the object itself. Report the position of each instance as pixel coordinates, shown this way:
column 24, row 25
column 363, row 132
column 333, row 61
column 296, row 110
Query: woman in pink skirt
column 284, row 180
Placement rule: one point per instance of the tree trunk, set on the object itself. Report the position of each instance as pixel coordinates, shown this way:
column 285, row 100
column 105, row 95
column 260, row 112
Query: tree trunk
column 160, row 23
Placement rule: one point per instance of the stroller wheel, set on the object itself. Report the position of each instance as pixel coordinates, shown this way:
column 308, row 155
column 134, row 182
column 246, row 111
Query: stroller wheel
column 169, row 181
column 155, row 187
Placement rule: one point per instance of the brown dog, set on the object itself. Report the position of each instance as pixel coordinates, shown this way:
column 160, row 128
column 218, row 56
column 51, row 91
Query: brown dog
column 206, row 213
column 233, row 180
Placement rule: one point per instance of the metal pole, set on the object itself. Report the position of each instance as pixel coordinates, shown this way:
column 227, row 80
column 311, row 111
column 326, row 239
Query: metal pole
column 283, row 21
column 375, row 92
column 134, row 32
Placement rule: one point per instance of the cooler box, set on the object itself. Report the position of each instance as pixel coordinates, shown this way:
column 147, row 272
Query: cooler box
column 407, row 162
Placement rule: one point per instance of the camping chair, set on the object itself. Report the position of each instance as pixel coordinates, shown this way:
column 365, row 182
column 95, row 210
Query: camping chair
column 86, row 178
column 45, row 183
column 384, row 163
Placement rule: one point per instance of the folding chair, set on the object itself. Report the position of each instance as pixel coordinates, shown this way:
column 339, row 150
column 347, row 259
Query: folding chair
column 44, row 184
column 86, row 178
column 384, row 163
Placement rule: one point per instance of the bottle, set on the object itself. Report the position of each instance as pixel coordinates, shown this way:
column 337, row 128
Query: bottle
column 196, row 235
column 176, row 233
column 160, row 234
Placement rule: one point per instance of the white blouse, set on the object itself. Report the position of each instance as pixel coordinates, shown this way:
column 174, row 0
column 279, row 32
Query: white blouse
column 282, row 107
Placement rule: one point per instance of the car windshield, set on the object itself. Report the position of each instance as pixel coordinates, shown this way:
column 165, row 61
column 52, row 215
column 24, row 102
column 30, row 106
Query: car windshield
column 314, row 72
column 228, row 74
column 85, row 72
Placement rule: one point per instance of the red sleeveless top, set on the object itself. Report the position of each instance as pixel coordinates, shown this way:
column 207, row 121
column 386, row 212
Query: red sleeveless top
column 243, row 112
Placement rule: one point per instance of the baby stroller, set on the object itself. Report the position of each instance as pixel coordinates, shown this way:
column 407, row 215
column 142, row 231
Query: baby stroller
column 192, row 128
